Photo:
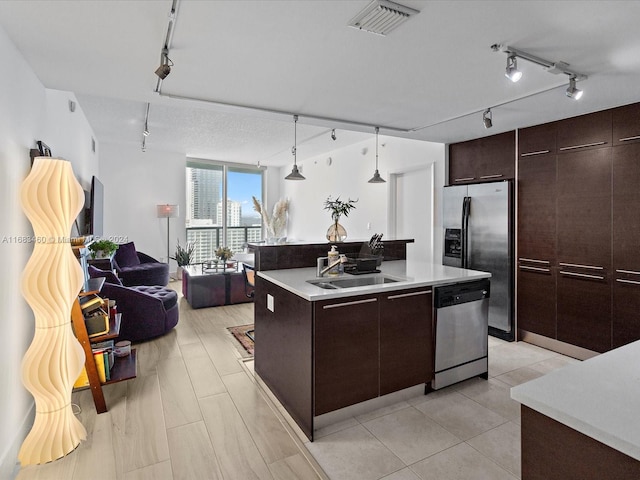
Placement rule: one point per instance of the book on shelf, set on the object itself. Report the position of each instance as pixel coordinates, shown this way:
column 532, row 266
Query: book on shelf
column 83, row 379
column 98, row 356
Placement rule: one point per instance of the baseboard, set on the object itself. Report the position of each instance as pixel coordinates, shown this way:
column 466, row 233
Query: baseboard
column 9, row 466
column 556, row 345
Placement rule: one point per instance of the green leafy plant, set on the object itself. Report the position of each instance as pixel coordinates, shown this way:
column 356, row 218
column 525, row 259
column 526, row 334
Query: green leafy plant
column 184, row 255
column 338, row 208
column 224, row 253
column 105, row 246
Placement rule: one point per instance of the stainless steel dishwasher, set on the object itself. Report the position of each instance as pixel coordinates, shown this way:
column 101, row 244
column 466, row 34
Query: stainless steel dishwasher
column 462, row 323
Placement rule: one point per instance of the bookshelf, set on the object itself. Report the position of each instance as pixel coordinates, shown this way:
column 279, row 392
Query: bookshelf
column 124, row 368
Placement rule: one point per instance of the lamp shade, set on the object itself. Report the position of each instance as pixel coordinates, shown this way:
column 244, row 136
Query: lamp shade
column 168, row 211
column 51, row 198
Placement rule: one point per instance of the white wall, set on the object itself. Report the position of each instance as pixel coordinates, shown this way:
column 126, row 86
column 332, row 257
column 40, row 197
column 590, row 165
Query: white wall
column 29, row 112
column 134, row 183
column 351, row 167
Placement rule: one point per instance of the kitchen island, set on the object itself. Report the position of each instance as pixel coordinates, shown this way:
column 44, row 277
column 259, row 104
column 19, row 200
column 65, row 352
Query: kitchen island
column 323, row 349
column 582, row 422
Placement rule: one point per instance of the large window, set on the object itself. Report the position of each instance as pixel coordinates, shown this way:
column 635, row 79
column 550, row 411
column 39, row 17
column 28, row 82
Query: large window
column 219, row 207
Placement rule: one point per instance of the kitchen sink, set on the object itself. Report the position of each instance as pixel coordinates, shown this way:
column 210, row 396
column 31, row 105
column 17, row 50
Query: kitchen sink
column 351, row 282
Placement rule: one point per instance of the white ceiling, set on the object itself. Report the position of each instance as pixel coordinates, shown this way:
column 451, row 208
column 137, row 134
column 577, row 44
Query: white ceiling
column 299, row 57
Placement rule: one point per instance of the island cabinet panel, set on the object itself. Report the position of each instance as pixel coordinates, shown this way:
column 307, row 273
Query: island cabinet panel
column 406, row 350
column 283, row 355
column 585, row 132
column 553, row 451
column 346, row 345
column 485, row 159
column 626, row 124
column 626, row 251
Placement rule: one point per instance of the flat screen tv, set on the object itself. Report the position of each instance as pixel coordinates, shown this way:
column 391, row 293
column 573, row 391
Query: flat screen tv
column 96, row 209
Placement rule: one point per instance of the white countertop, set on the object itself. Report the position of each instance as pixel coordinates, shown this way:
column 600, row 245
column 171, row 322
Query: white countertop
column 599, row 397
column 409, row 275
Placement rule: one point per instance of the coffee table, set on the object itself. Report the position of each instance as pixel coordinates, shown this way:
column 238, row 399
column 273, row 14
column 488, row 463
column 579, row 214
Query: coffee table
column 210, row 285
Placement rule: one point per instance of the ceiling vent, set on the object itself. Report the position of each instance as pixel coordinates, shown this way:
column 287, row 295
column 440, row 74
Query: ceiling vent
column 381, row 17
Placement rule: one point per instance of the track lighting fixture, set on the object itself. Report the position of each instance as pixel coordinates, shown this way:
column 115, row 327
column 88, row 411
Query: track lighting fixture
column 487, row 118
column 333, row 134
column 376, row 175
column 572, row 90
column 164, row 69
column 295, row 173
column 146, row 132
column 512, row 72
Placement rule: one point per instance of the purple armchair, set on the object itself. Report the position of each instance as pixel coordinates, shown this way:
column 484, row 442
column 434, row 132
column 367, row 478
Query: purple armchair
column 137, row 268
column 147, row 311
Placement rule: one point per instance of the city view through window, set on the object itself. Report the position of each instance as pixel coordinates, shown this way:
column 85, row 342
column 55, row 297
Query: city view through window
column 215, row 220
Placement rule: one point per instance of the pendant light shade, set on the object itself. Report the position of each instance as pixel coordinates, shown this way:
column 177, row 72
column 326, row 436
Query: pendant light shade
column 295, row 173
column 376, row 175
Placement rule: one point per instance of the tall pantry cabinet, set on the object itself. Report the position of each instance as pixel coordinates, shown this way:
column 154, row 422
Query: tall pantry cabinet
column 579, row 229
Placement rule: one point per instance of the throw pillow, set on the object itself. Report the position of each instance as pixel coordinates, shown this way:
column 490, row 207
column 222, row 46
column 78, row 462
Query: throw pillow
column 126, row 255
column 108, row 276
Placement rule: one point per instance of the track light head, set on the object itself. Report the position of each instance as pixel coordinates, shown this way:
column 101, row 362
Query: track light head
column 146, row 132
column 163, row 71
column 572, row 90
column 333, row 134
column 512, row 72
column 487, row 118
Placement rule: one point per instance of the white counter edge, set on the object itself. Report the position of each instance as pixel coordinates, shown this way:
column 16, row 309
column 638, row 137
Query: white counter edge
column 576, row 394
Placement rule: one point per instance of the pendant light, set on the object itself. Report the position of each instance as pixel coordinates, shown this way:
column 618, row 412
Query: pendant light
column 376, row 176
column 295, row 173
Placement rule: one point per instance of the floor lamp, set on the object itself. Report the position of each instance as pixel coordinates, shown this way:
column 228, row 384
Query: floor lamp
column 51, row 198
column 168, row 211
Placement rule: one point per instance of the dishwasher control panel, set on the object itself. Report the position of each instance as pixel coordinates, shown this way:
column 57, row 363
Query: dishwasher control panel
column 462, row 293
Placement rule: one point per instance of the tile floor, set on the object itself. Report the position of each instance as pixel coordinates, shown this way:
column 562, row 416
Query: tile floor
column 466, row 431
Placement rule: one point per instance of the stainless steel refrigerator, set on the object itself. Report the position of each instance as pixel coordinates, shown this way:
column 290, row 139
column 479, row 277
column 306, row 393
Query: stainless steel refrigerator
column 478, row 234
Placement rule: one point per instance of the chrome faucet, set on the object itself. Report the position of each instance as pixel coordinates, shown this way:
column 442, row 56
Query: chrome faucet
column 320, row 262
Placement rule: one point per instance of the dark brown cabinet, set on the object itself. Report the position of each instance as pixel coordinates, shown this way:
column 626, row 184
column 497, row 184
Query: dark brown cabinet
column 584, row 310
column 406, row 353
column 626, row 124
column 537, row 299
column 482, row 160
column 584, row 209
column 346, row 352
column 584, row 132
column 626, row 251
column 538, row 140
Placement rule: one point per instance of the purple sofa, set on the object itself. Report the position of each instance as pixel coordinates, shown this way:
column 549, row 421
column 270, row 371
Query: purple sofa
column 136, row 268
column 147, row 311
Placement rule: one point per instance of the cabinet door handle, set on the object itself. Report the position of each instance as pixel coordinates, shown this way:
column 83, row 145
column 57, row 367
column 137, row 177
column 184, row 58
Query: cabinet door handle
column 534, row 269
column 626, row 139
column 412, row 294
column 594, row 144
column 622, row 280
column 347, row 304
column 533, row 260
column 582, row 275
column 630, row 272
column 591, row 267
column 539, row 152
column 484, row 177
column 465, row 179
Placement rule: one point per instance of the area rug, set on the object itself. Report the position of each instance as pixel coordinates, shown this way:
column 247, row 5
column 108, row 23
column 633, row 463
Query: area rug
column 240, row 334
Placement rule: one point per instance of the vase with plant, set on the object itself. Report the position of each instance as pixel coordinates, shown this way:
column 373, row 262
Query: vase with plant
column 102, row 248
column 224, row 254
column 277, row 222
column 183, row 256
column 337, row 207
